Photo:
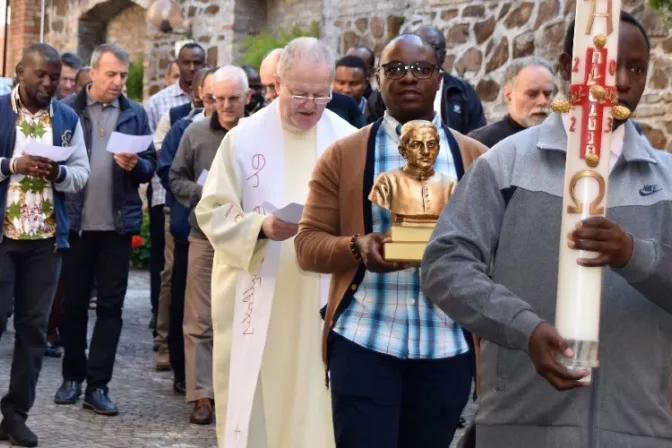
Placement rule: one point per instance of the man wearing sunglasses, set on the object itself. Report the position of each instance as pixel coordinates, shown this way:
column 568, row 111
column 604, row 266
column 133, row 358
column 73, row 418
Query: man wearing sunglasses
column 456, row 100
column 400, row 369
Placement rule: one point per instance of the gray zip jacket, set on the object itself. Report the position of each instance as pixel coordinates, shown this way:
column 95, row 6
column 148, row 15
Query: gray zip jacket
column 492, row 266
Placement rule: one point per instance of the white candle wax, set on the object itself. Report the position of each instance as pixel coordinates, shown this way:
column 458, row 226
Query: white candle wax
column 586, row 187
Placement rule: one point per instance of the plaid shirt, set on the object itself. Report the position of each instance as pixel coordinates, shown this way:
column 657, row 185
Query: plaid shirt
column 157, row 106
column 389, row 313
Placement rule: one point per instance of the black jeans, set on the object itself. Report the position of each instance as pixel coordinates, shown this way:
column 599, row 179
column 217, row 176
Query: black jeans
column 177, row 291
column 105, row 256
column 157, row 237
column 28, row 278
column 379, row 401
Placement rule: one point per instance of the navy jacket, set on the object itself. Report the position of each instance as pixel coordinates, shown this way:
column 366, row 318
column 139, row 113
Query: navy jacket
column 64, row 122
column 346, row 108
column 179, row 214
column 126, row 202
column 461, row 108
column 179, row 112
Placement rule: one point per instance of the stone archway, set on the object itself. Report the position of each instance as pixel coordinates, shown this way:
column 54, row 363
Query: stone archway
column 120, row 21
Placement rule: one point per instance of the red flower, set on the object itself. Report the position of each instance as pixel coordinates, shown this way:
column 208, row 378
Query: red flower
column 137, row 241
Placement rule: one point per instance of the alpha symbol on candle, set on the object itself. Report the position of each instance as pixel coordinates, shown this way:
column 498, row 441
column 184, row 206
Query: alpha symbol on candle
column 595, row 207
column 606, row 15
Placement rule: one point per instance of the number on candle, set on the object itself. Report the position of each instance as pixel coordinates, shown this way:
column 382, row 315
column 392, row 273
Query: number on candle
column 610, row 125
column 612, row 67
column 576, row 64
column 572, row 124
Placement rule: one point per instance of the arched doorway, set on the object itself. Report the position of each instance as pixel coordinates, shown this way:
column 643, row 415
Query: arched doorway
column 119, row 21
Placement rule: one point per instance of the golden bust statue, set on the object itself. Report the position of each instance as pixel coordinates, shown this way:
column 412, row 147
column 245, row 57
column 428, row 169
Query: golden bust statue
column 415, row 194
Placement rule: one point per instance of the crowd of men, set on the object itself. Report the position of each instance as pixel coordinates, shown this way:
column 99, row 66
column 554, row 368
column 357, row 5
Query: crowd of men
column 396, row 339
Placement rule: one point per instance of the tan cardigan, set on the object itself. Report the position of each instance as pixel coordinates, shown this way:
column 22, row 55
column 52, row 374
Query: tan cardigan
column 336, row 209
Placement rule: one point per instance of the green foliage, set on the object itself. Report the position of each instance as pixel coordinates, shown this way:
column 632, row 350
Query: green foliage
column 254, row 48
column 140, row 255
column 665, row 8
column 136, row 73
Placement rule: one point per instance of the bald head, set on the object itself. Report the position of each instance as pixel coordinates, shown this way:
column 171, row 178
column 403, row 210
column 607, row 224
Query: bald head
column 267, row 70
column 436, row 39
column 43, row 51
column 406, row 41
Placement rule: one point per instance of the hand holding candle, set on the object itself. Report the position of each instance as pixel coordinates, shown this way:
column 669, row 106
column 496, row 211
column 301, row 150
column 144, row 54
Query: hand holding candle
column 602, row 236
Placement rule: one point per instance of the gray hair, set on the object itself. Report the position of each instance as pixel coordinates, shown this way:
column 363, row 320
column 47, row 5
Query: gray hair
column 116, row 49
column 517, row 65
column 305, row 49
column 231, row 73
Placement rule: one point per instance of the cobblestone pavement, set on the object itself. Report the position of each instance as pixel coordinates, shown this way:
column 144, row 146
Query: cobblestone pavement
column 151, row 416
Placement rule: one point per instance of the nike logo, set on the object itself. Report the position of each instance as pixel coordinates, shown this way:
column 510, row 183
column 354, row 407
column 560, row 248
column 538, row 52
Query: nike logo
column 648, row 190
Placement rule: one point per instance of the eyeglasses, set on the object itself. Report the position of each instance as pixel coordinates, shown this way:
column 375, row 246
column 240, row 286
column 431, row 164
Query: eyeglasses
column 208, row 99
column 397, row 70
column 321, row 100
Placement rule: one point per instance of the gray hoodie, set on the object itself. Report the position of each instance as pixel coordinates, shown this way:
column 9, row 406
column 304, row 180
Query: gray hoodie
column 507, row 210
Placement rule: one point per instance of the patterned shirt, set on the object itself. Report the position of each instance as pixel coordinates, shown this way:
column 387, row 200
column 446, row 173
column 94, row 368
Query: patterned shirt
column 30, row 200
column 157, row 106
column 389, row 313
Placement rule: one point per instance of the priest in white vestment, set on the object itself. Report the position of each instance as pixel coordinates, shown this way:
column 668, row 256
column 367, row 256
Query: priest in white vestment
column 268, row 376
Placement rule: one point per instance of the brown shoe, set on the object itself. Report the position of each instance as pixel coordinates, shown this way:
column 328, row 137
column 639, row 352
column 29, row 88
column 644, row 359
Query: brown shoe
column 202, row 414
column 162, row 360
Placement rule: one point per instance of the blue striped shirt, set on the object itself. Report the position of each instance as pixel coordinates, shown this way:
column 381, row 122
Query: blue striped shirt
column 389, row 313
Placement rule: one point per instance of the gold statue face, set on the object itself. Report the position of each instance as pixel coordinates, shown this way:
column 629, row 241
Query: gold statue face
column 419, row 145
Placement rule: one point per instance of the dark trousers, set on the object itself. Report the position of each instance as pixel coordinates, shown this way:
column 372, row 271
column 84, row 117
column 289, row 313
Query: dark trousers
column 157, row 237
column 105, row 256
column 177, row 290
column 55, row 316
column 379, row 401
column 28, row 277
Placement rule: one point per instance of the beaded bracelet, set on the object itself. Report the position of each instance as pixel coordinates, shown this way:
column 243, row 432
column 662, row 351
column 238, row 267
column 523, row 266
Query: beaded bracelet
column 353, row 247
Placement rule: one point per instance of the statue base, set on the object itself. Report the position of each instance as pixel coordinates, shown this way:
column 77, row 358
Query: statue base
column 406, row 244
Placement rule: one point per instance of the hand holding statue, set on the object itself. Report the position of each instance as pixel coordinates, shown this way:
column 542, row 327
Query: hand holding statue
column 370, row 248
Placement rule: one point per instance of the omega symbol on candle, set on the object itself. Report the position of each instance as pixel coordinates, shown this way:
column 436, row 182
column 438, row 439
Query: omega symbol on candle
column 595, row 207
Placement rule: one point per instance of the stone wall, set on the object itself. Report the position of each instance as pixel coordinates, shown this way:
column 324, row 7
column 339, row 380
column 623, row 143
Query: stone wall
column 212, row 27
column 128, row 29
column 485, row 35
column 285, row 13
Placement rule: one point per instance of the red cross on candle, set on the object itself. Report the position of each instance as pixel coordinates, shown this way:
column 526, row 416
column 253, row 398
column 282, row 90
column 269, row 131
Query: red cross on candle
column 593, row 96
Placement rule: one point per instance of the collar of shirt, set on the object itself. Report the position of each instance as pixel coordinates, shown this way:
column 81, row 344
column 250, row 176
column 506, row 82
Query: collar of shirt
column 362, row 104
column 176, row 91
column 438, row 98
column 20, row 109
column 90, row 101
column 616, row 140
column 393, row 127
